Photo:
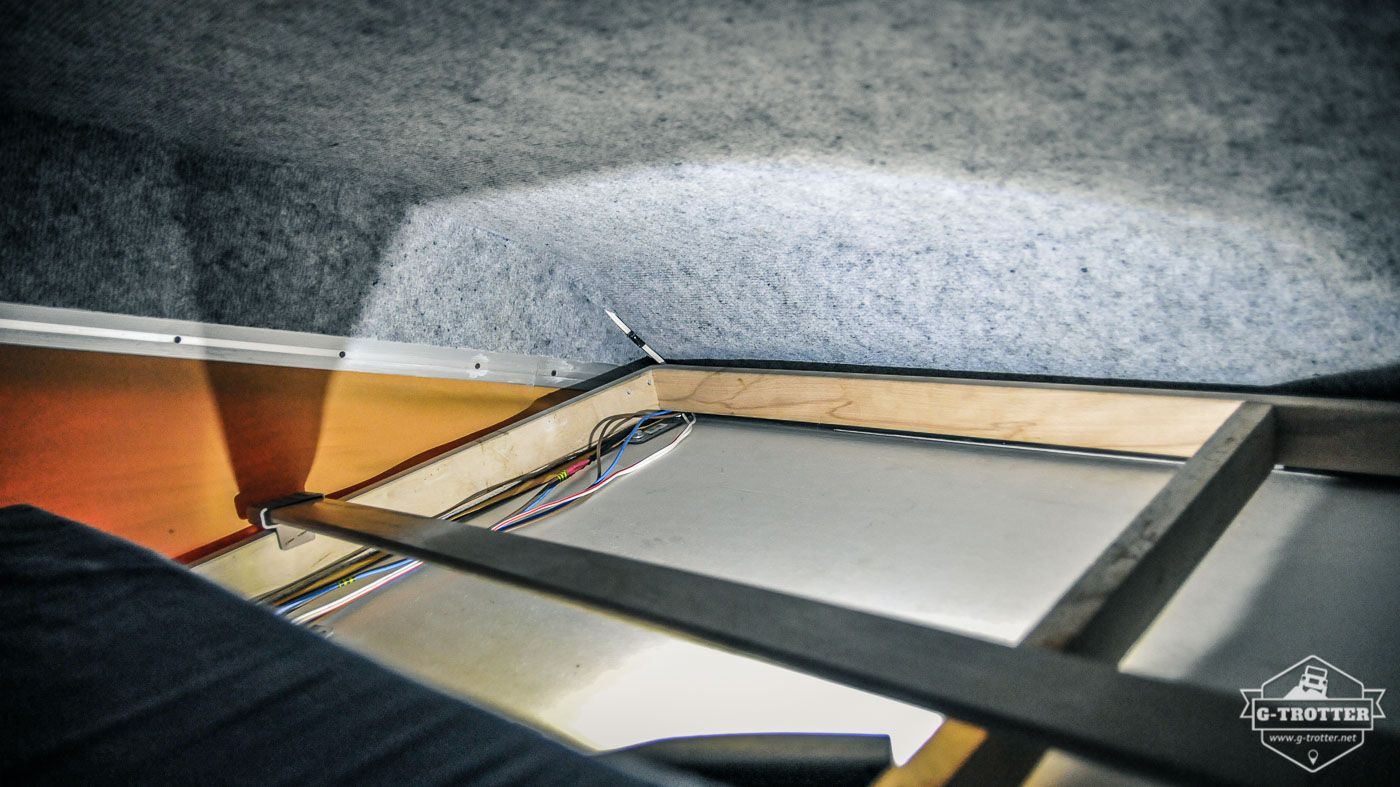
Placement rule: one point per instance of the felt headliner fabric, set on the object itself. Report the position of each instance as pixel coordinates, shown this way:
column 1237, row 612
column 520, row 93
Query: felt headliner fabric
column 1199, row 192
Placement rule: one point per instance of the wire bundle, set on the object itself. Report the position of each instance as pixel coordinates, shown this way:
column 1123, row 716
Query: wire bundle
column 603, row 438
column 537, row 509
column 383, row 568
column 400, row 569
column 305, row 598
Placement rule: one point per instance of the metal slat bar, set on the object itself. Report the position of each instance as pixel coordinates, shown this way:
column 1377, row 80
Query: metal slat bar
column 1053, row 699
column 1114, row 601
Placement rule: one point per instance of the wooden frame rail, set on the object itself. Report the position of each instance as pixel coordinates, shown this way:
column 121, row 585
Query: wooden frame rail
column 1320, row 434
column 1230, row 443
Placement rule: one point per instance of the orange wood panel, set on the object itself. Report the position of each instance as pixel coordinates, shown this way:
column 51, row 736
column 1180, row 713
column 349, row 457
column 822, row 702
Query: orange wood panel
column 156, row 450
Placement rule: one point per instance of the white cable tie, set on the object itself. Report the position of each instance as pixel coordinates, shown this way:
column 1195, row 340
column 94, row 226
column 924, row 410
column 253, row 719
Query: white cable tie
column 631, row 334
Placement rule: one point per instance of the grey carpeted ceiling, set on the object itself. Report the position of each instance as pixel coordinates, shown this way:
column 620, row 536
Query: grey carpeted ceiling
column 1194, row 192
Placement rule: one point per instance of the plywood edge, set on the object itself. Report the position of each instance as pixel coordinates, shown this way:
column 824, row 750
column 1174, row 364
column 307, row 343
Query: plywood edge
column 1313, row 433
column 1135, row 422
column 438, row 484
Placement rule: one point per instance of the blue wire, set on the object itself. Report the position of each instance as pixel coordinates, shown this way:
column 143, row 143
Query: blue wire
column 542, row 496
column 373, row 572
column 628, row 442
column 535, row 503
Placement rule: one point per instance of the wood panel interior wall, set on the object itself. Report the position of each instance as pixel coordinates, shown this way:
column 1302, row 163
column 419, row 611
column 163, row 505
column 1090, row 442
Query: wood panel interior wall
column 436, row 486
column 156, row 450
column 167, row 452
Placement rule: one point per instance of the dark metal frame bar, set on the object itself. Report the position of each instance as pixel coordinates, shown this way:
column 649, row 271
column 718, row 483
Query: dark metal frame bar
column 1114, row 601
column 1050, row 698
column 1032, row 698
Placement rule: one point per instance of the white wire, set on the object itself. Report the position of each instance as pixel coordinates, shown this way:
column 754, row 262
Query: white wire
column 332, row 606
column 689, row 426
column 349, row 597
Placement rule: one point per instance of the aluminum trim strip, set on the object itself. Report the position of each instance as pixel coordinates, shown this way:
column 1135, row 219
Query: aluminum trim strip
column 76, row 329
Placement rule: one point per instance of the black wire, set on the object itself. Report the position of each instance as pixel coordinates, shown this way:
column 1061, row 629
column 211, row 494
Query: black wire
column 603, row 436
column 381, row 560
column 366, row 558
column 601, row 428
column 660, row 427
column 522, row 483
column 666, row 424
column 608, row 444
column 620, row 432
column 360, row 559
column 542, row 470
column 522, row 478
column 528, row 500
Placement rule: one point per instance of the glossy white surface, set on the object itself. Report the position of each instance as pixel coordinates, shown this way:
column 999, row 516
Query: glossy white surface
column 980, row 539
column 976, row 538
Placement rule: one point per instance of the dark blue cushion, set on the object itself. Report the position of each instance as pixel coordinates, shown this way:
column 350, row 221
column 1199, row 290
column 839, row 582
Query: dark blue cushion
column 118, row 666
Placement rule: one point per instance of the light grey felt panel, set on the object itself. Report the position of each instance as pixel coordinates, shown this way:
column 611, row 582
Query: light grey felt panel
column 862, row 267
column 100, row 220
column 1192, row 192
